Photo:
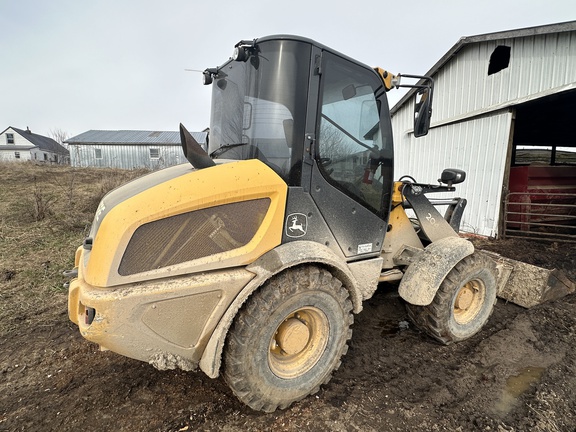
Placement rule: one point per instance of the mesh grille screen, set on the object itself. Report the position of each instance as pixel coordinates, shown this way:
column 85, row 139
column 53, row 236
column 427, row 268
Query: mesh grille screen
column 192, row 235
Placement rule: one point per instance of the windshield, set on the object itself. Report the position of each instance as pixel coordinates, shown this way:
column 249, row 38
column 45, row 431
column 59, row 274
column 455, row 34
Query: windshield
column 257, row 106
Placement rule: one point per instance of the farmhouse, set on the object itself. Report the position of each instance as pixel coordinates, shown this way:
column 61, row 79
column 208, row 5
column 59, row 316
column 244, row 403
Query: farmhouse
column 23, row 145
column 503, row 111
column 128, row 149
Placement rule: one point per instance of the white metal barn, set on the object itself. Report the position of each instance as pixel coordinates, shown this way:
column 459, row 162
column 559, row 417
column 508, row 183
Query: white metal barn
column 128, row 149
column 503, row 111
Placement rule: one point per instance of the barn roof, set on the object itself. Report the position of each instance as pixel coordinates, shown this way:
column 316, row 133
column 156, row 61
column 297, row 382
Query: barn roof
column 467, row 40
column 40, row 141
column 132, row 137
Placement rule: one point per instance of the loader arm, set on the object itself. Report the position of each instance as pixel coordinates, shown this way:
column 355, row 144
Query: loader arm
column 427, row 266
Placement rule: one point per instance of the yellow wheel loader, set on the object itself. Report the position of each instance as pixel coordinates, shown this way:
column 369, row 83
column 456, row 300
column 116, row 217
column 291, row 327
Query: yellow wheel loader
column 252, row 262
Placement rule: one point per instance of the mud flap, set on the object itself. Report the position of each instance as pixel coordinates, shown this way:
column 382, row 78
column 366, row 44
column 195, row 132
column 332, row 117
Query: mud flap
column 429, row 268
column 528, row 285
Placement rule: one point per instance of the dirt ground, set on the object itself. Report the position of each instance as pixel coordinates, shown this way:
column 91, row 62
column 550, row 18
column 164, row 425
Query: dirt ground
column 518, row 374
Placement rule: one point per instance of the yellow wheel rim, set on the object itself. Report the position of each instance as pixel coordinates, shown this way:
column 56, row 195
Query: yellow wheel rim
column 298, row 342
column 469, row 301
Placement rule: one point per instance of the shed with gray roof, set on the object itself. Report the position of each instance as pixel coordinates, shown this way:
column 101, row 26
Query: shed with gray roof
column 128, row 149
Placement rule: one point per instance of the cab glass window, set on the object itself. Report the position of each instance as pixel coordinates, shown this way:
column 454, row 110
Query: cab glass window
column 354, row 144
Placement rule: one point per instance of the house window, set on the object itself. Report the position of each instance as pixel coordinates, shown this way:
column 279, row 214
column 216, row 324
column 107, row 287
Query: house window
column 45, row 156
column 17, row 155
column 98, row 153
column 154, row 153
column 9, row 138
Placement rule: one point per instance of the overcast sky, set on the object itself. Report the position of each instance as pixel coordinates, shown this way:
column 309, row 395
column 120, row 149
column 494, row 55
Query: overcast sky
column 78, row 65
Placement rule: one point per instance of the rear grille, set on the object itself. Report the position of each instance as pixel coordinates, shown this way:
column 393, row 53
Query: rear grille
column 192, row 235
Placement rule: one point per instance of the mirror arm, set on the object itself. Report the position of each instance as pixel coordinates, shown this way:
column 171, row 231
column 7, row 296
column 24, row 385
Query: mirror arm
column 412, row 86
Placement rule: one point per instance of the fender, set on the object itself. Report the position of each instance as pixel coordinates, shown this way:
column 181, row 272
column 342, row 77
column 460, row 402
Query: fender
column 429, row 268
column 278, row 259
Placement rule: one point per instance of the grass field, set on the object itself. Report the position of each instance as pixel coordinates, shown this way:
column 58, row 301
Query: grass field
column 45, row 213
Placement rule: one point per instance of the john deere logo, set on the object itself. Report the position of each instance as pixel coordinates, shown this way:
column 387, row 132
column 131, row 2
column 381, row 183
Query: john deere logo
column 296, row 225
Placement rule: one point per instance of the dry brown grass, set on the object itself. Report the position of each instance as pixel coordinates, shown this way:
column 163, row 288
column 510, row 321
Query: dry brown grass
column 45, row 212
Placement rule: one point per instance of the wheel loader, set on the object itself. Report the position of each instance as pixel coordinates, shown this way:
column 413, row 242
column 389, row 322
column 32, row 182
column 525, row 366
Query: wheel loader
column 251, row 261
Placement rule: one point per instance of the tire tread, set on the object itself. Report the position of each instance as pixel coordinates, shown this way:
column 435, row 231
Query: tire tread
column 288, row 283
column 433, row 319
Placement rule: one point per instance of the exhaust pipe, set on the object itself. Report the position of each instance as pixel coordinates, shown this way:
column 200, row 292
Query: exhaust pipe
column 194, row 151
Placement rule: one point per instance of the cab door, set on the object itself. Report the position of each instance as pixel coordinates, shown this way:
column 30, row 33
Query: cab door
column 351, row 177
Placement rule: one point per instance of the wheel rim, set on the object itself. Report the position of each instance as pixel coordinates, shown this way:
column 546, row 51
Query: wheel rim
column 469, row 301
column 298, row 342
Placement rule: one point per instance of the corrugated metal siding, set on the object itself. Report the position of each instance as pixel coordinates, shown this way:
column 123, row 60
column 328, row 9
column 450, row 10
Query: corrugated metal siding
column 125, row 157
column 472, row 129
column 537, row 64
column 128, row 149
column 478, row 147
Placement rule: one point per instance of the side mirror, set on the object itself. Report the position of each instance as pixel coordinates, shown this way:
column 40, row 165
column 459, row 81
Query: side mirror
column 452, row 176
column 423, row 110
column 348, row 92
column 423, row 103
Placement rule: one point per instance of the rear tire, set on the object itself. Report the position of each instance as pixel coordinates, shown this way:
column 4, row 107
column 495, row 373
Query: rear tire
column 288, row 338
column 463, row 303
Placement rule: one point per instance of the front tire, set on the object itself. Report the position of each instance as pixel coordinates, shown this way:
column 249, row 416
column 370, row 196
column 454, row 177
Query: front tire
column 288, row 338
column 463, row 303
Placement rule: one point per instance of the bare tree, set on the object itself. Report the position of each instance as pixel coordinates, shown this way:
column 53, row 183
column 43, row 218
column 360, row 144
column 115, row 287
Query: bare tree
column 332, row 142
column 59, row 136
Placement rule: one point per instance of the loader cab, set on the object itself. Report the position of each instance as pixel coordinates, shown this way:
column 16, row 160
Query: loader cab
column 321, row 121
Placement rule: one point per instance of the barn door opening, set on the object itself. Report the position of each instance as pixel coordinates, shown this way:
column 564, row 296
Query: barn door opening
column 541, row 202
